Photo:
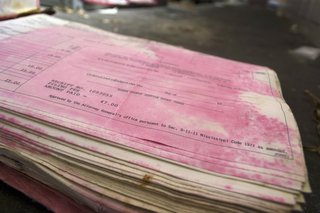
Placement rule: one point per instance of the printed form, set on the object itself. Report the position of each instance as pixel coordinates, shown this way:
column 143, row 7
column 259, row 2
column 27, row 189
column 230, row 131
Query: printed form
column 217, row 112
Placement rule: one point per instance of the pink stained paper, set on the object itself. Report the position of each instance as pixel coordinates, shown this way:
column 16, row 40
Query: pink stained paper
column 273, row 177
column 186, row 102
column 54, row 199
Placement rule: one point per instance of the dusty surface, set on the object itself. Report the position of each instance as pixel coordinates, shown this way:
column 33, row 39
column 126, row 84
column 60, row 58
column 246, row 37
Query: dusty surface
column 252, row 35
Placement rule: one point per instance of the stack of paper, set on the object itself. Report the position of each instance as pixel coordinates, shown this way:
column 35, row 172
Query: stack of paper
column 130, row 125
column 13, row 8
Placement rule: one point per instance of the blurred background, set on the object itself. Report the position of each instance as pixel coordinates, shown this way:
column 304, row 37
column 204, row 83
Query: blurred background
column 281, row 34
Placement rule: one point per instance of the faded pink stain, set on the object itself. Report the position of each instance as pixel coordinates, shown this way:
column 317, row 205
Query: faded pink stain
column 228, row 187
